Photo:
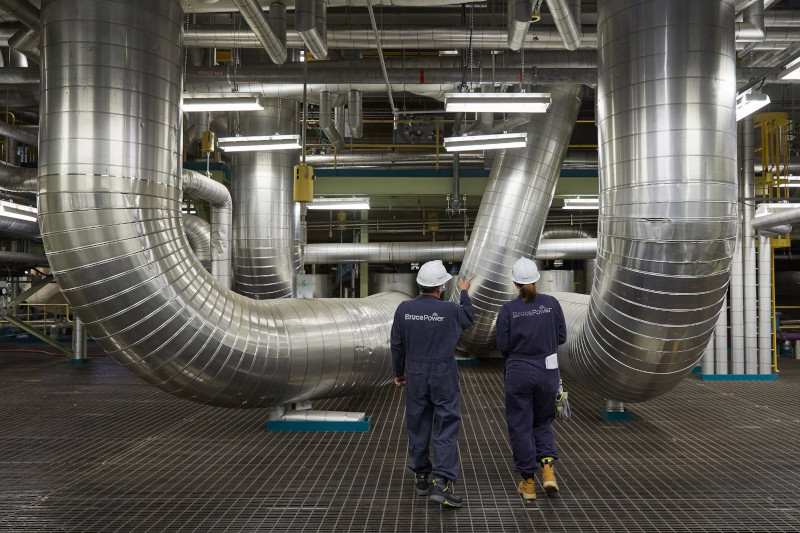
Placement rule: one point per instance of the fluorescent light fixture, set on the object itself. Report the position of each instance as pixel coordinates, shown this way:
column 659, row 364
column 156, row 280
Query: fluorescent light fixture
column 339, row 203
column 749, row 102
column 485, row 142
column 259, row 143
column 581, row 203
column 228, row 103
column 792, row 71
column 18, row 211
column 497, row 102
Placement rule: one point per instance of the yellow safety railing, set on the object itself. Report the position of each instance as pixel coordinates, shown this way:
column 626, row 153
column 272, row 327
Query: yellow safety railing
column 56, row 313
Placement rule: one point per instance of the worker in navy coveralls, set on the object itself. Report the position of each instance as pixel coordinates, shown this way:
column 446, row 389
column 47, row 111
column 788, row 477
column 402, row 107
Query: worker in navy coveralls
column 424, row 336
column 529, row 330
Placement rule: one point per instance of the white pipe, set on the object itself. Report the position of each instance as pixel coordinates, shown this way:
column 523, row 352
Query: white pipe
column 749, row 244
column 708, row 356
column 721, row 340
column 764, row 308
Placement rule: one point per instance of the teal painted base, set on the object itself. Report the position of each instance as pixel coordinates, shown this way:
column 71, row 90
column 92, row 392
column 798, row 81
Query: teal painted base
column 78, row 361
column 738, row 377
column 697, row 370
column 467, row 362
column 617, row 416
column 305, row 425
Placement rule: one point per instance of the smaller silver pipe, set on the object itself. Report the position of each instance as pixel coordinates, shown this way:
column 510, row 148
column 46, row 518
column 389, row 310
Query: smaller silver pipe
column 310, row 23
column 355, row 114
column 254, row 16
column 707, row 364
column 198, row 233
column 78, row 341
column 519, row 20
column 19, row 134
column 567, row 18
column 784, row 214
column 764, row 308
column 27, row 42
column 776, row 230
column 23, row 258
column 319, row 416
column 338, row 122
column 18, row 179
column 751, row 29
column 22, row 10
column 216, row 194
column 721, row 339
column 749, row 242
column 614, row 406
column 325, row 123
column 277, row 21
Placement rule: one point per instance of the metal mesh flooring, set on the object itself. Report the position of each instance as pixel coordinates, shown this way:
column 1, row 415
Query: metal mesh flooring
column 92, row 448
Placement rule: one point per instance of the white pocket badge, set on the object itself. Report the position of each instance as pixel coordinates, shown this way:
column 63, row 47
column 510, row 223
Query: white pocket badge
column 551, row 362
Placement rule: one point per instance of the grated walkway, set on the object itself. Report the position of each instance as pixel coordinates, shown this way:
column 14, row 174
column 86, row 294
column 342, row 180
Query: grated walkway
column 92, row 448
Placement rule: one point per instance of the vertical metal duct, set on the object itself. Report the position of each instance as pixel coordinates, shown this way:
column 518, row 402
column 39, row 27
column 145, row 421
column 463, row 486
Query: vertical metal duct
column 721, row 340
column 513, row 211
column 198, row 233
column 736, row 294
column 749, row 244
column 567, row 18
column 325, row 123
column 254, row 16
column 519, row 19
column 311, row 24
column 277, row 21
column 667, row 145
column 355, row 114
column 217, row 195
column 110, row 213
column 266, row 255
column 764, row 307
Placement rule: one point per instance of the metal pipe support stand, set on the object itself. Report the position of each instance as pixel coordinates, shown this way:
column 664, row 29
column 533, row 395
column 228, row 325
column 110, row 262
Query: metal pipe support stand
column 615, row 411
column 300, row 417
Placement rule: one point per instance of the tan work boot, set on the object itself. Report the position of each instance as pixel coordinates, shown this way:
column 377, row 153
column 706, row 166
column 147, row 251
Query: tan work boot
column 527, row 488
column 548, row 476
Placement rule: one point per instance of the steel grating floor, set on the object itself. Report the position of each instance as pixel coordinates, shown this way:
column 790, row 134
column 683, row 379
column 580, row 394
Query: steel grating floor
column 92, row 448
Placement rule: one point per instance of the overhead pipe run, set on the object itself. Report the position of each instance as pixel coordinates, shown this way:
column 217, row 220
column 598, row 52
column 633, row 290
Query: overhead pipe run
column 17, row 179
column 519, row 19
column 355, row 114
column 112, row 231
column 325, row 122
column 448, row 251
column 20, row 134
column 752, row 29
column 513, row 211
column 567, row 18
column 254, row 16
column 667, row 219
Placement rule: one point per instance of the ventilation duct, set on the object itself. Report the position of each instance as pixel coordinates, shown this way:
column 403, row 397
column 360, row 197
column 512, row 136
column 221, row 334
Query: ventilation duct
column 20, row 134
column 17, row 179
column 198, row 233
column 668, row 216
column 567, row 18
column 325, row 123
column 513, row 211
column 751, row 29
column 254, row 16
column 310, row 22
column 519, row 19
column 355, row 114
column 266, row 254
column 111, row 226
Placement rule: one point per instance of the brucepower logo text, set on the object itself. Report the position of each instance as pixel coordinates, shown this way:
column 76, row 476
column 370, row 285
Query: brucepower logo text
column 426, row 318
column 542, row 310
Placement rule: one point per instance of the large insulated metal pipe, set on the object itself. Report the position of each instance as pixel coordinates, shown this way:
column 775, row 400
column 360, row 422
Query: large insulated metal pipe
column 667, row 219
column 513, row 211
column 567, row 18
column 265, row 251
column 198, row 233
column 325, row 122
column 765, row 319
column 721, row 340
column 355, row 114
column 749, row 243
column 311, row 25
column 448, row 251
column 519, row 19
column 254, row 16
column 110, row 212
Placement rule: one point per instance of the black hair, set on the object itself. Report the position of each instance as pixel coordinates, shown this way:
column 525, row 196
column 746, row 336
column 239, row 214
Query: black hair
column 423, row 289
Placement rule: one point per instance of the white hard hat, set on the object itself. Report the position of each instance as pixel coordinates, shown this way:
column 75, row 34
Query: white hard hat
column 433, row 274
column 524, row 271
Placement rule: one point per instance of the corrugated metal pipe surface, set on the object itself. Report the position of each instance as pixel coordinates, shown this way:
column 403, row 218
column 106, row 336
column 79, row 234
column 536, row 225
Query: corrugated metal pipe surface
column 254, row 16
column 519, row 19
column 17, row 179
column 266, row 255
column 109, row 200
column 198, row 233
column 311, row 24
column 513, row 211
column 325, row 122
column 567, row 18
column 668, row 197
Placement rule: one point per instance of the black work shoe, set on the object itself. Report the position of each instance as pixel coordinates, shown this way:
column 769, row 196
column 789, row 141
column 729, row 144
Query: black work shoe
column 422, row 485
column 442, row 492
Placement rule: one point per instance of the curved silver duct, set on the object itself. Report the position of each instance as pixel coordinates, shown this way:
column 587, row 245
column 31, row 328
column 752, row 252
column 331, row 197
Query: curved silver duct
column 448, row 251
column 355, row 114
column 27, row 41
column 770, row 217
column 565, row 231
column 310, row 22
column 751, row 29
column 20, row 134
column 198, row 233
column 668, row 198
column 513, row 211
column 326, row 124
column 277, row 21
column 109, row 204
column 266, row 253
column 254, row 16
column 18, row 179
column 217, row 195
column 519, row 19
column 567, row 18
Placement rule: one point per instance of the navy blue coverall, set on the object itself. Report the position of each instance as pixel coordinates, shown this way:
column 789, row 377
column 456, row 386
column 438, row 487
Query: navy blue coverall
column 528, row 333
column 424, row 336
